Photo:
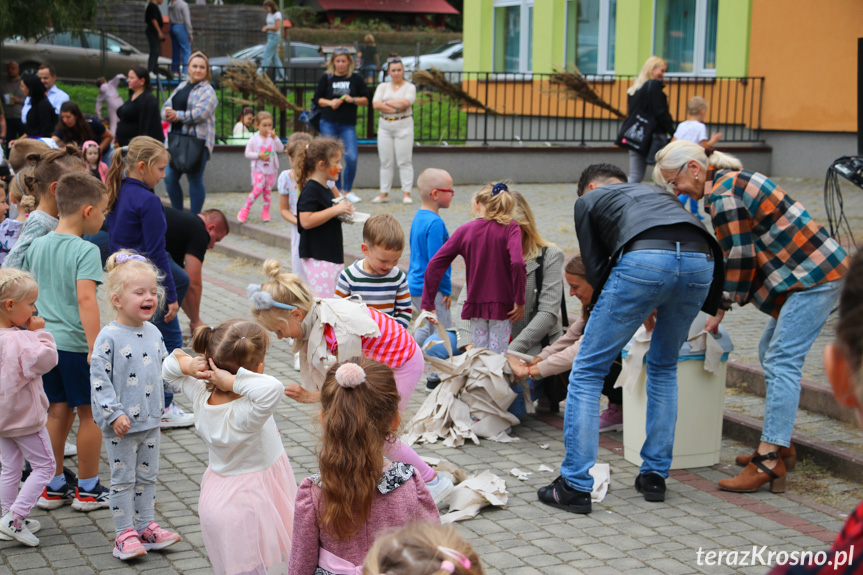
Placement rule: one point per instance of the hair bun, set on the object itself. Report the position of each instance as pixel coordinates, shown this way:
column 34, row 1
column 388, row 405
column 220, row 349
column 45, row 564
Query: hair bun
column 272, row 268
column 350, row 375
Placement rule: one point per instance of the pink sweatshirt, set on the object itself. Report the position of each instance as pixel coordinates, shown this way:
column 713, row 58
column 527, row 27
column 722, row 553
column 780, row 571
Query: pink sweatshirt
column 258, row 144
column 24, row 357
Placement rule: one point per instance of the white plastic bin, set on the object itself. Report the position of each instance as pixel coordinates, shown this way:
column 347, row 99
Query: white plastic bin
column 700, row 405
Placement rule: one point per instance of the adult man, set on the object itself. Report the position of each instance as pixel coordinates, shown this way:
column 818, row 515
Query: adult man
column 13, row 101
column 642, row 252
column 56, row 96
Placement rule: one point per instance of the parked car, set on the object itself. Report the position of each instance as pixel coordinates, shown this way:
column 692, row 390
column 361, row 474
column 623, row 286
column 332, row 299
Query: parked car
column 77, row 55
column 303, row 57
column 446, row 58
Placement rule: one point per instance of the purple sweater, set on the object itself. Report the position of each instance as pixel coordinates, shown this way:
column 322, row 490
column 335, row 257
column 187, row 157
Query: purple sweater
column 137, row 222
column 495, row 267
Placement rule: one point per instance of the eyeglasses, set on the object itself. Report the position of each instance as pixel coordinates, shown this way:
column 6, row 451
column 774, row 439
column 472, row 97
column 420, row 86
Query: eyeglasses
column 446, row 190
column 670, row 184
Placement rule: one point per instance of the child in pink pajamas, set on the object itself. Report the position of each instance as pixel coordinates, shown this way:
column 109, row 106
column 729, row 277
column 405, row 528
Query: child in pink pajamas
column 263, row 149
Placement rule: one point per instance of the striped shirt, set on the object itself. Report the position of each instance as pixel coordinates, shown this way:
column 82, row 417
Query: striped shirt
column 387, row 293
column 772, row 246
column 394, row 347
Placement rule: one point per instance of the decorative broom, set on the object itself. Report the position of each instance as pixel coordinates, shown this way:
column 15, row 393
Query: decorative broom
column 574, row 86
column 436, row 79
column 242, row 76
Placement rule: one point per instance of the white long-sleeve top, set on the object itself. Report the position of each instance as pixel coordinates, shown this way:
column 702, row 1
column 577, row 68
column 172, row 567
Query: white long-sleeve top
column 241, row 435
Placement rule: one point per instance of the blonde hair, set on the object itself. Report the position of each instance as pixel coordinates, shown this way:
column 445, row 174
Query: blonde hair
column 422, row 549
column 286, row 288
column 531, row 242
column 199, row 54
column 263, row 115
column 47, row 168
column 140, row 149
column 297, row 141
column 232, row 344
column 369, row 39
column 331, row 63
column 121, row 273
column 497, row 207
column 384, row 231
column 15, row 285
column 644, row 75
column 19, row 191
column 680, row 152
column 695, row 105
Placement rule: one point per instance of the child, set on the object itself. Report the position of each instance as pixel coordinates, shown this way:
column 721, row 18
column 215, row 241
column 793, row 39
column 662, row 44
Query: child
column 68, row 269
column 428, row 234
column 344, row 328
column 127, row 389
column 109, row 96
column 289, row 194
column 48, row 166
column 495, row 274
column 263, row 149
column 422, row 549
column 8, row 233
column 321, row 246
column 28, row 352
column 247, row 493
column 93, row 157
column 358, row 492
column 694, row 130
column 10, row 228
column 376, row 278
column 243, row 128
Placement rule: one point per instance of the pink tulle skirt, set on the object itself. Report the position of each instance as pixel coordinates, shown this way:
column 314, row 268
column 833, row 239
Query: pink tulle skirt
column 247, row 520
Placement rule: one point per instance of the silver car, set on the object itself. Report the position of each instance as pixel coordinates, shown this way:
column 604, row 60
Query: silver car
column 305, row 65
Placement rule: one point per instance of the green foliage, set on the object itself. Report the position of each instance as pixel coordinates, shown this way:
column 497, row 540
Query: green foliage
column 82, row 94
column 28, row 18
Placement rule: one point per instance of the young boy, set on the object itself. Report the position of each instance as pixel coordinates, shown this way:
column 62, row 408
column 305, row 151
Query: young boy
column 377, row 277
column 68, row 269
column 694, row 130
column 428, row 234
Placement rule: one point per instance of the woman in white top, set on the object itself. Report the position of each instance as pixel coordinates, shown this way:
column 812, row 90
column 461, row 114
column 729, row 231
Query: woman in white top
column 394, row 100
column 271, row 59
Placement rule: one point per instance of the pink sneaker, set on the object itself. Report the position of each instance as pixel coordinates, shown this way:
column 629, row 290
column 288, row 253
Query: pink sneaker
column 243, row 214
column 155, row 538
column 265, row 214
column 128, row 546
column 611, row 419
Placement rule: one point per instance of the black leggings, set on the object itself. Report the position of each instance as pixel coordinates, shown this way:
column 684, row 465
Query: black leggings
column 155, row 50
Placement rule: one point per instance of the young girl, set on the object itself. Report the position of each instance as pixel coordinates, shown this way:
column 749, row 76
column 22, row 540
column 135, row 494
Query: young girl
column 422, row 549
column 47, row 169
column 357, row 493
column 495, row 268
column 342, row 328
column 289, row 194
column 93, row 157
column 263, row 150
column 27, row 352
column 243, row 129
column 321, row 248
column 247, row 493
column 9, row 228
column 127, row 391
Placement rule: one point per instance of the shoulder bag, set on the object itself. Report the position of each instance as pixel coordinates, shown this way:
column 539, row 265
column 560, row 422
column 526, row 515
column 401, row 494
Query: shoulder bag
column 187, row 152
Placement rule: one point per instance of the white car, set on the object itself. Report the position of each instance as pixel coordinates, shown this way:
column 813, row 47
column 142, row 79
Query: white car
column 446, row 58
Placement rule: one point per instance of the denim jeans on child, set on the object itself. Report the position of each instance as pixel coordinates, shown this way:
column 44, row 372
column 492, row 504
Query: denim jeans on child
column 676, row 285
column 782, row 351
column 197, row 192
column 347, row 133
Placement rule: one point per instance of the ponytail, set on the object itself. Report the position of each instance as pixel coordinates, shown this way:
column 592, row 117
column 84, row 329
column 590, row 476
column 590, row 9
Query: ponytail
column 114, row 177
column 306, row 161
column 232, row 344
column 140, row 149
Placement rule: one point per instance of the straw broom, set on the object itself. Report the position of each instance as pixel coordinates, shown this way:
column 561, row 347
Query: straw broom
column 242, row 76
column 574, row 86
column 436, row 79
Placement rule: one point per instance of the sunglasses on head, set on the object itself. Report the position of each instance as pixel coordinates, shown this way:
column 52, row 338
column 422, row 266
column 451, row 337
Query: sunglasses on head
column 340, row 51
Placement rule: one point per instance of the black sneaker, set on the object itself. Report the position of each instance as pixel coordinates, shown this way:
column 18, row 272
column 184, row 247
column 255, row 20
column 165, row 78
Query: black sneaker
column 651, row 485
column 562, row 496
column 432, row 381
column 54, row 499
column 97, row 498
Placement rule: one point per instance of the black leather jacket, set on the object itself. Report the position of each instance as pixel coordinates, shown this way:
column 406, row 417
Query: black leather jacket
column 608, row 217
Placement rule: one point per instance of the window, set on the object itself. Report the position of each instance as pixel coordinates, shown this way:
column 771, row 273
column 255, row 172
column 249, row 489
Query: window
column 305, row 52
column 685, row 35
column 590, row 35
column 513, row 36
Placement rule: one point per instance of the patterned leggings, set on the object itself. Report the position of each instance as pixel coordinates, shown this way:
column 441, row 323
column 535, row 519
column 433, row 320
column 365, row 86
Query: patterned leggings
column 491, row 333
column 261, row 183
column 322, row 276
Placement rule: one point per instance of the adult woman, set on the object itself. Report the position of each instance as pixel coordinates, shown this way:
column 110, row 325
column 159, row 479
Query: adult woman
column 76, row 127
column 270, row 60
column 155, row 36
column 191, row 109
column 181, row 34
column 779, row 259
column 647, row 99
column 371, row 60
column 139, row 115
column 339, row 92
column 41, row 119
column 394, row 100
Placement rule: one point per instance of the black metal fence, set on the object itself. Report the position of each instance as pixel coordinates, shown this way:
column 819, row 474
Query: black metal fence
column 529, row 109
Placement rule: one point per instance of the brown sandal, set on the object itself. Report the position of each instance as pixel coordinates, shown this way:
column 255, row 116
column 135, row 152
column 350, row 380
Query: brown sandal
column 750, row 479
column 788, row 455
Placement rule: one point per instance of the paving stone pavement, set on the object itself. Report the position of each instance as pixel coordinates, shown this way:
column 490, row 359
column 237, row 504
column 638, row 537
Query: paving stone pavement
column 623, row 534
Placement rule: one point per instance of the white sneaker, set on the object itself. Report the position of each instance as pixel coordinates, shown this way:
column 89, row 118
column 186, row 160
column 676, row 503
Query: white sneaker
column 32, row 524
column 441, row 489
column 297, row 361
column 353, row 198
column 70, row 450
column 173, row 416
column 20, row 534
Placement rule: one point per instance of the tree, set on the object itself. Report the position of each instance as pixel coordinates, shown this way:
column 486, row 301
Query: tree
column 28, row 18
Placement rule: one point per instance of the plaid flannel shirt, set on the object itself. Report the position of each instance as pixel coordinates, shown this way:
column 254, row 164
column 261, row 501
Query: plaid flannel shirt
column 199, row 117
column 772, row 246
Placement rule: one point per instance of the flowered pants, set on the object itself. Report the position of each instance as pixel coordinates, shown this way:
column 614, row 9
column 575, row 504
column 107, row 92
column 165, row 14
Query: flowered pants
column 491, row 333
column 322, row 276
column 261, row 183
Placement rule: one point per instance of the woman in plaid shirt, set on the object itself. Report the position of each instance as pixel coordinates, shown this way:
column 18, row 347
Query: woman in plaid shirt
column 781, row 261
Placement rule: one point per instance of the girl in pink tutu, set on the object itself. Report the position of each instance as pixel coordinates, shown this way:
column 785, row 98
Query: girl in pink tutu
column 247, row 493
column 358, row 492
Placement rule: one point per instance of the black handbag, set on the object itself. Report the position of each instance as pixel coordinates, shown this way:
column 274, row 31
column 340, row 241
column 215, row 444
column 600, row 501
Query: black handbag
column 187, row 152
column 636, row 133
column 657, row 142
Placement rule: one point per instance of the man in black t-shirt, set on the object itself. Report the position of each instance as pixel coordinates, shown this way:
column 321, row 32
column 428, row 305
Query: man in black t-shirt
column 187, row 240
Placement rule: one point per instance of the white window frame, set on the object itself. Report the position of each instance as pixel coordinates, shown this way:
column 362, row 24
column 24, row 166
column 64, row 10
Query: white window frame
column 602, row 53
column 699, row 47
column 525, row 39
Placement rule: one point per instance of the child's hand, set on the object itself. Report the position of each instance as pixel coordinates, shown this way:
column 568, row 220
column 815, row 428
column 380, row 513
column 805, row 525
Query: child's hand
column 122, row 425
column 344, row 207
column 302, row 395
column 517, row 313
column 35, row 323
column 222, row 379
column 519, row 370
column 263, row 156
column 193, row 366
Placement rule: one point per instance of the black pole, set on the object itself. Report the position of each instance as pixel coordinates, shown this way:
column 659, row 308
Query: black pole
column 860, row 96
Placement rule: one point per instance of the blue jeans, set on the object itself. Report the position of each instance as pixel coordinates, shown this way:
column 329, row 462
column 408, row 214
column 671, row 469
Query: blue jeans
column 676, row 285
column 171, row 332
column 439, row 350
column 197, row 192
column 181, row 47
column 782, row 351
column 270, row 59
column 347, row 133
